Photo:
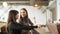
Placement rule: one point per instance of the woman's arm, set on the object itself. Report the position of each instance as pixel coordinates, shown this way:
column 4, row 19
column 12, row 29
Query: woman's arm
column 20, row 27
column 30, row 22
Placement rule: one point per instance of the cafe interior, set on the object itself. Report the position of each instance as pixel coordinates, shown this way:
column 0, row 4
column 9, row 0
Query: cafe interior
column 43, row 13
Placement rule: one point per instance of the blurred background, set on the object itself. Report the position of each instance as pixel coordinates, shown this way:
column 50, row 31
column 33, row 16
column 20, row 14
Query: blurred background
column 36, row 8
column 39, row 11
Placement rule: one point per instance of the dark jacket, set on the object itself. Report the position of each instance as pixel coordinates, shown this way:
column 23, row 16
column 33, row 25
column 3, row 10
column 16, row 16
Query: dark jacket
column 16, row 28
column 24, row 22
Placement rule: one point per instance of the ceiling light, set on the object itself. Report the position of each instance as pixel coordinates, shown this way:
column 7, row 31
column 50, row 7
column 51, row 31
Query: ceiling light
column 5, row 4
column 36, row 5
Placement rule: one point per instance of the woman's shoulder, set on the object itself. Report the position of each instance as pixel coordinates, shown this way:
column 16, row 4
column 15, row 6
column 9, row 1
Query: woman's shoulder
column 11, row 23
column 28, row 18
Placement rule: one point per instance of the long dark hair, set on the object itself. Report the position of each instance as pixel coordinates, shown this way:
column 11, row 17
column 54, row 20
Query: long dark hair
column 11, row 16
column 26, row 17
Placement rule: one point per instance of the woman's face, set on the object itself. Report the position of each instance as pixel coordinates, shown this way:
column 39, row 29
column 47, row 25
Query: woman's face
column 17, row 16
column 23, row 13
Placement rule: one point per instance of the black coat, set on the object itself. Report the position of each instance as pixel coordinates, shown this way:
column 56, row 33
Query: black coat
column 24, row 22
column 16, row 28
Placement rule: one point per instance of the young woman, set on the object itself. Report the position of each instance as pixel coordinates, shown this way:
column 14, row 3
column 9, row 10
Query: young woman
column 24, row 20
column 13, row 26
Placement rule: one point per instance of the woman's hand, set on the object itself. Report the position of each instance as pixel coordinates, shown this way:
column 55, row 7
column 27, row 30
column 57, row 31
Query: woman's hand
column 38, row 25
column 29, row 24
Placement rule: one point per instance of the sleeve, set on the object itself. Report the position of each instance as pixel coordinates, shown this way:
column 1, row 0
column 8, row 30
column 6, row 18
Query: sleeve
column 19, row 27
column 14, row 27
column 30, row 22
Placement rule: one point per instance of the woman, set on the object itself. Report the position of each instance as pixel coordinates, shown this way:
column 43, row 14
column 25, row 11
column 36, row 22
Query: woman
column 24, row 20
column 13, row 26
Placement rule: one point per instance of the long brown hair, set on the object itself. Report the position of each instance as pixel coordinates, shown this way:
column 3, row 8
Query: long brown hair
column 26, row 17
column 11, row 16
